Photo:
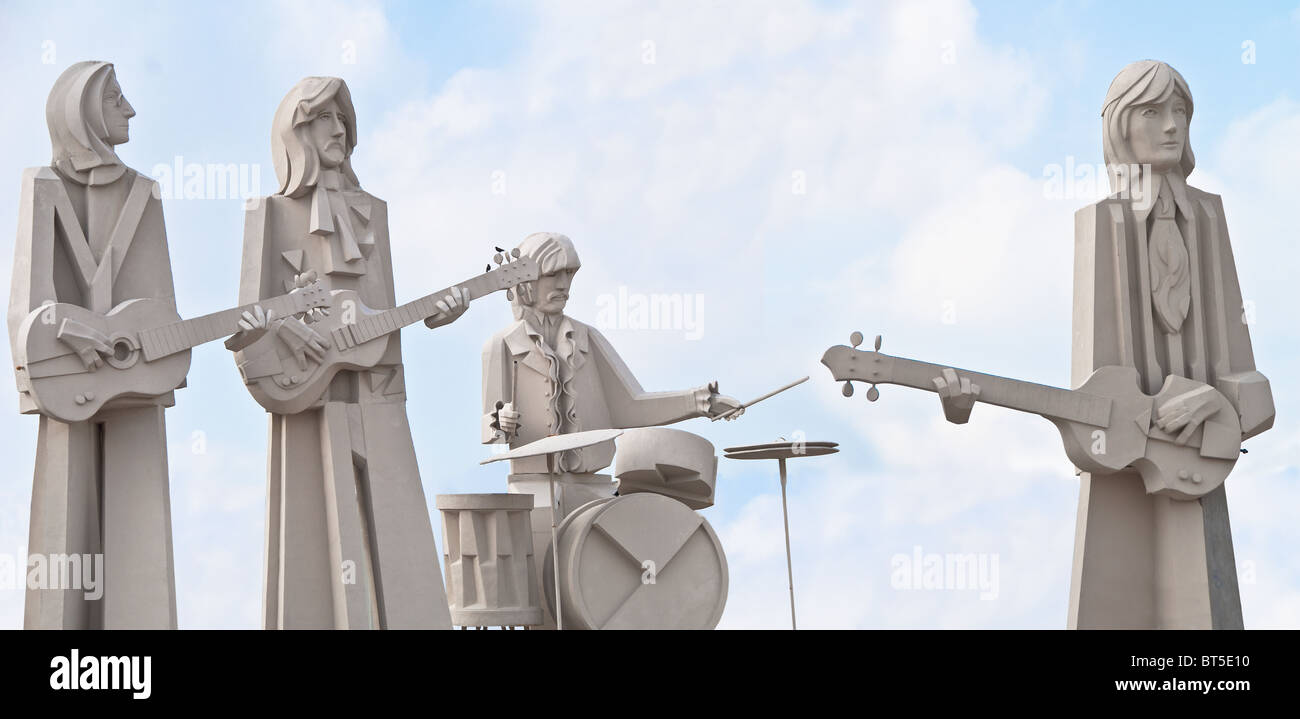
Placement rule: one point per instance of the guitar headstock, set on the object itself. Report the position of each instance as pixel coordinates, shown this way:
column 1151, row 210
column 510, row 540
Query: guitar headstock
column 512, row 270
column 309, row 297
column 849, row 365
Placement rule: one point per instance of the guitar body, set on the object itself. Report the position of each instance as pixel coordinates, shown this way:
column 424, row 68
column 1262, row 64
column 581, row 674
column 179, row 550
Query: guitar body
column 1132, row 438
column 355, row 338
column 58, row 381
column 299, row 385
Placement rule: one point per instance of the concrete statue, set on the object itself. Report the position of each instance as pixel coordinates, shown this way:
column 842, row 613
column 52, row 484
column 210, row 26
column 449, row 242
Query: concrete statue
column 1166, row 385
column 91, row 272
column 360, row 553
column 548, row 374
column 1156, row 291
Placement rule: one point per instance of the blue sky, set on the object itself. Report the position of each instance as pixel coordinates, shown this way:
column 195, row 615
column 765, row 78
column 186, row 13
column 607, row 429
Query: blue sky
column 667, row 139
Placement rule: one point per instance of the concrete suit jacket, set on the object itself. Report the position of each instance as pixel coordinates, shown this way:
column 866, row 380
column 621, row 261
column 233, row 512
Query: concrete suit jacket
column 580, row 385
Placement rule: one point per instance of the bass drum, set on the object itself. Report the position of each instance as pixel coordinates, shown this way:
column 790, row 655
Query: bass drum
column 641, row 561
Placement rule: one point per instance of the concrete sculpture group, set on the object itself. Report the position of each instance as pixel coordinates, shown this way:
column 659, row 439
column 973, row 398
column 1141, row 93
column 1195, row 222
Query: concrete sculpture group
column 1165, row 392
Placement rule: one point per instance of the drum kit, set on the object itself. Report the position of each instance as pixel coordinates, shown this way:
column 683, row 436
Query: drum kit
column 644, row 558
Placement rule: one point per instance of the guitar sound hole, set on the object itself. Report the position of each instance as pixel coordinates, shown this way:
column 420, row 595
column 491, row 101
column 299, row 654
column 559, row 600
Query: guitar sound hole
column 121, row 351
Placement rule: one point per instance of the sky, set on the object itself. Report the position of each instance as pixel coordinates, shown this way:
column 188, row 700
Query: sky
column 791, row 170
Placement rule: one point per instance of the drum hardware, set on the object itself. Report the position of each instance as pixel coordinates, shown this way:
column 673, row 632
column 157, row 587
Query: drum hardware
column 781, row 451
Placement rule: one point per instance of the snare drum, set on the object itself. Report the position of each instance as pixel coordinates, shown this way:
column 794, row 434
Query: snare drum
column 488, row 555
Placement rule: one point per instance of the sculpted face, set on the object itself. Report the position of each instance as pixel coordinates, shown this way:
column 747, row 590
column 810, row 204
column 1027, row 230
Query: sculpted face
column 553, row 291
column 117, row 111
column 1157, row 132
column 329, row 135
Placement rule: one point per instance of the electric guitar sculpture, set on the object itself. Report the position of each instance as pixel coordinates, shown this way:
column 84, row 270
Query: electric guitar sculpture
column 356, row 337
column 57, row 362
column 1106, row 424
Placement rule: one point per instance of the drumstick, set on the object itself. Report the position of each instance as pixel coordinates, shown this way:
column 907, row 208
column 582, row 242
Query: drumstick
column 728, row 413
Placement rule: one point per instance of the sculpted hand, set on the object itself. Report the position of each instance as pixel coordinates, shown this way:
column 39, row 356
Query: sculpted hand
column 958, row 395
column 92, row 353
column 720, row 404
column 304, row 341
column 1186, row 411
column 256, row 319
column 450, row 308
column 91, row 346
column 507, row 419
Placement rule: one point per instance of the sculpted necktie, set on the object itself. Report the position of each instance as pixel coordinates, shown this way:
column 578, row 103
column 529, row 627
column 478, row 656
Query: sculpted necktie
column 1170, row 279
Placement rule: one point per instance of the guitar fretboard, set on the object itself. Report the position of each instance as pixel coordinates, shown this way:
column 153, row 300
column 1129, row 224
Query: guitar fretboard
column 1040, row 399
column 379, row 324
column 186, row 334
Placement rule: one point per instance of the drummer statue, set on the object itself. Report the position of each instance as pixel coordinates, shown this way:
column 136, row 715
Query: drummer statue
column 547, row 373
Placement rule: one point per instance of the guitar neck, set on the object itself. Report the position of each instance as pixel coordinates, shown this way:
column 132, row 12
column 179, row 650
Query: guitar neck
column 179, row 336
column 1043, row 400
column 387, row 321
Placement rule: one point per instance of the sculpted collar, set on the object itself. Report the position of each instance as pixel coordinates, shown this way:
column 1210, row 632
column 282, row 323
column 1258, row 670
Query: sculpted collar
column 572, row 339
column 1177, row 184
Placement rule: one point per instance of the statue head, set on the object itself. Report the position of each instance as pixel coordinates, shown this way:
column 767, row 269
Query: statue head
column 1145, row 120
column 557, row 263
column 87, row 115
column 315, row 128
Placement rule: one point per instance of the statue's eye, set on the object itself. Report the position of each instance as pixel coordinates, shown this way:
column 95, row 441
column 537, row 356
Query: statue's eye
column 1149, row 112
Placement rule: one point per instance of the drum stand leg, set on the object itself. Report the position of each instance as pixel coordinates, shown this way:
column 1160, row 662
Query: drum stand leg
column 555, row 544
column 789, row 567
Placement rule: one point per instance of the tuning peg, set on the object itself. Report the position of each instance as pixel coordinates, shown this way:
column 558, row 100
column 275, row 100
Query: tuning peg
column 873, row 394
column 515, row 253
column 510, row 296
column 497, row 258
column 848, row 389
column 855, row 339
column 877, row 343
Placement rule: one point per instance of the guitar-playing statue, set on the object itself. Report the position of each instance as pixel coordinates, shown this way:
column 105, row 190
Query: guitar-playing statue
column 91, row 275
column 349, row 543
column 1166, row 382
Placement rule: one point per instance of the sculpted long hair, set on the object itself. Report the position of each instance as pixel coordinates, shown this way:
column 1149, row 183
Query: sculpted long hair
column 552, row 252
column 296, row 162
column 1140, row 83
column 75, row 115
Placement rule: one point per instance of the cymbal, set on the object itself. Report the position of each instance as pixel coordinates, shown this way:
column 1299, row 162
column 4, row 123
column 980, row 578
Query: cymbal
column 781, row 450
column 557, row 443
